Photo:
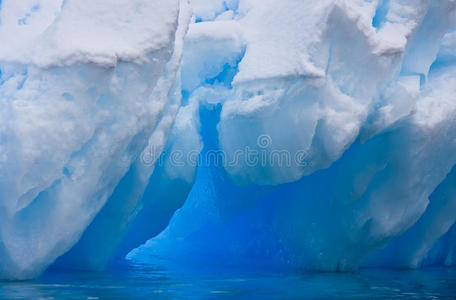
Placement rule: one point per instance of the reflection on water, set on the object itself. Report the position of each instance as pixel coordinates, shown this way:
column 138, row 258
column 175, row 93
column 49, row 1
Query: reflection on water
column 153, row 282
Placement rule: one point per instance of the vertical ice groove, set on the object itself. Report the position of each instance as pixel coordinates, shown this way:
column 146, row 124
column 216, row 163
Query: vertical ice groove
column 380, row 13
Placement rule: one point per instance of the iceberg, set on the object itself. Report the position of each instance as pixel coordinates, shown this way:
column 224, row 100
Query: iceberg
column 258, row 133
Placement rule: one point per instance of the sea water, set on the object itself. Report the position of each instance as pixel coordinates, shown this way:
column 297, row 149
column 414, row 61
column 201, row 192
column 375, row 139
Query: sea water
column 154, row 281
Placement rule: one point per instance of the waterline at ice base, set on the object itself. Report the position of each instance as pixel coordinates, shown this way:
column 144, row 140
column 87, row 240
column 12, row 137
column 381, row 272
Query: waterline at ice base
column 283, row 136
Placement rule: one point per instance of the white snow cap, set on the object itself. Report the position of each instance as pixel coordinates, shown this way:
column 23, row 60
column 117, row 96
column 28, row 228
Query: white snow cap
column 56, row 32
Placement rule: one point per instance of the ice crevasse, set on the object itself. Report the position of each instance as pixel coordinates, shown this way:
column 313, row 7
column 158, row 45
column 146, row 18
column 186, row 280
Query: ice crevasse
column 292, row 134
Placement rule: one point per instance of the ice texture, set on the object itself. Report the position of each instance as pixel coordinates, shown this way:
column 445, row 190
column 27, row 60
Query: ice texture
column 85, row 86
column 364, row 92
column 291, row 134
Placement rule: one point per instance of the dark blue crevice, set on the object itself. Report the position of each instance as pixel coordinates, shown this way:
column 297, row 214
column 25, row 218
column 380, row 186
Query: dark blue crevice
column 226, row 76
column 22, row 82
column 380, row 13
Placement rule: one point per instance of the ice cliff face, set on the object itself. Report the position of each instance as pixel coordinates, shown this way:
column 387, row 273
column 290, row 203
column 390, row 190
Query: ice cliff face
column 339, row 118
column 84, row 89
column 328, row 130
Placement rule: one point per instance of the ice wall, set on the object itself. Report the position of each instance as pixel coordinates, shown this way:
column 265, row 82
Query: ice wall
column 291, row 134
column 85, row 87
column 351, row 106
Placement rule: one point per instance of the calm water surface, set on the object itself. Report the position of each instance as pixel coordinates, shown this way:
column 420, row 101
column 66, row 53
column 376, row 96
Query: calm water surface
column 153, row 282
